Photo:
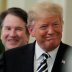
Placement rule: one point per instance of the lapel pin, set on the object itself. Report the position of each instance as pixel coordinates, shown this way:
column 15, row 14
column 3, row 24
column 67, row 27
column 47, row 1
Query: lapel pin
column 63, row 61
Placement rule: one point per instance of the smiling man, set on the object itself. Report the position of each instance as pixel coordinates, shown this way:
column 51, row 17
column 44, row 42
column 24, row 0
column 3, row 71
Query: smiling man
column 47, row 53
column 14, row 32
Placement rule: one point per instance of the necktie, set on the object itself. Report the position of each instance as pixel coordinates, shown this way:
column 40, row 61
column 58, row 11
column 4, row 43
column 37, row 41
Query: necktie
column 43, row 67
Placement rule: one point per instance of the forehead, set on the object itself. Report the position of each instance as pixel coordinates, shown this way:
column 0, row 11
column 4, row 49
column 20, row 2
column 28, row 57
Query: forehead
column 12, row 20
column 49, row 18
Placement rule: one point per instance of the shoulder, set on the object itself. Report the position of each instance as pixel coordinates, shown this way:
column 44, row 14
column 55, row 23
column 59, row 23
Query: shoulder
column 18, row 58
column 65, row 46
column 67, row 58
column 64, row 50
column 67, row 50
column 19, row 50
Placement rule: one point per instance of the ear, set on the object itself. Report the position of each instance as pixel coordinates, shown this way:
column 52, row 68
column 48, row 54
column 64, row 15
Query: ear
column 31, row 31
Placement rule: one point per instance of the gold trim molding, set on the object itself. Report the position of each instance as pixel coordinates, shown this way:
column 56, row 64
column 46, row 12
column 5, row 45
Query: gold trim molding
column 3, row 5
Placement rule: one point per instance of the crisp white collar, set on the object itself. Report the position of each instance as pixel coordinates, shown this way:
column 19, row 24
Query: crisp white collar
column 39, row 51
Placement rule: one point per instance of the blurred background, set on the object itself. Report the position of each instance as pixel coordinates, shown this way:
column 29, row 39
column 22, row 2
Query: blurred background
column 26, row 4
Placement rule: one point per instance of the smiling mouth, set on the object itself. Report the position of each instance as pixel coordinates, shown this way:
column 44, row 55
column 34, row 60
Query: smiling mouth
column 13, row 40
column 50, row 38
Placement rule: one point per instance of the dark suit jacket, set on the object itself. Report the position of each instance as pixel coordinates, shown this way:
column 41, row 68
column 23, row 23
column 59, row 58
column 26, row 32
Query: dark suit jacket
column 22, row 59
column 1, row 57
column 2, row 49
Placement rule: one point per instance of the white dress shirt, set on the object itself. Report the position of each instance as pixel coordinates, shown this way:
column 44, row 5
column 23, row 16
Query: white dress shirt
column 38, row 57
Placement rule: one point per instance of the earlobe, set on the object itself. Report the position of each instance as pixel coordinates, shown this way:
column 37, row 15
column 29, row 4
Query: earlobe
column 31, row 31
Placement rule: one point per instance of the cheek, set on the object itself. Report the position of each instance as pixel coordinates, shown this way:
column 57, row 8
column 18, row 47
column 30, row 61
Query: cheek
column 23, row 38
column 58, row 31
column 4, row 34
column 42, row 33
column 22, row 35
column 61, row 29
column 19, row 34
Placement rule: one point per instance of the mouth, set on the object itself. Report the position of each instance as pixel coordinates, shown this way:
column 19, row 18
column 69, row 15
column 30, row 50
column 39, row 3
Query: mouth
column 13, row 40
column 50, row 38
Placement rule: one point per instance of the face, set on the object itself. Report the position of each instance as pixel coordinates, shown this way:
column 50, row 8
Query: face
column 13, row 32
column 48, row 31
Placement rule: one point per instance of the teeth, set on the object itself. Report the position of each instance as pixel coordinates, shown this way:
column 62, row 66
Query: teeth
column 12, row 40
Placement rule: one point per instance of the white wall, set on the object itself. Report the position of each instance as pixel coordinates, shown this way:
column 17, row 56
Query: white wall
column 68, row 22
column 24, row 4
column 16, row 3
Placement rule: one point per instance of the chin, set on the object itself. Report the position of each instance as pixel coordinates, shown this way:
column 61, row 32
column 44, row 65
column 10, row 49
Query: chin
column 11, row 47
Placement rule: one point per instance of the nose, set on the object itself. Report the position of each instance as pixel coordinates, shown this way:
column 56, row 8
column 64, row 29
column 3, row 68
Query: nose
column 51, row 30
column 12, row 33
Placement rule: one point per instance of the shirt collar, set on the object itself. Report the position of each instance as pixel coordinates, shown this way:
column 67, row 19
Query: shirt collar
column 53, row 53
column 39, row 51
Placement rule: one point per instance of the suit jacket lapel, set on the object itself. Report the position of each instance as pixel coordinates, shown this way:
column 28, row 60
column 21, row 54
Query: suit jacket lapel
column 57, row 67
column 31, row 57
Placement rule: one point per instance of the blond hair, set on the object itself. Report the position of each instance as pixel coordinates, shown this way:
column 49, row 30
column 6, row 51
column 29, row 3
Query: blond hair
column 44, row 7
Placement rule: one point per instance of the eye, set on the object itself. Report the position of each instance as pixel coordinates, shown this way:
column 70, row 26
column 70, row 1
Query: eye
column 56, row 24
column 19, row 29
column 7, row 28
column 43, row 27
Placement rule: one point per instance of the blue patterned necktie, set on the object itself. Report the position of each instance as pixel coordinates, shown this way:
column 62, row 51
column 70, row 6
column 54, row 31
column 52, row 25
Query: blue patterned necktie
column 43, row 67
